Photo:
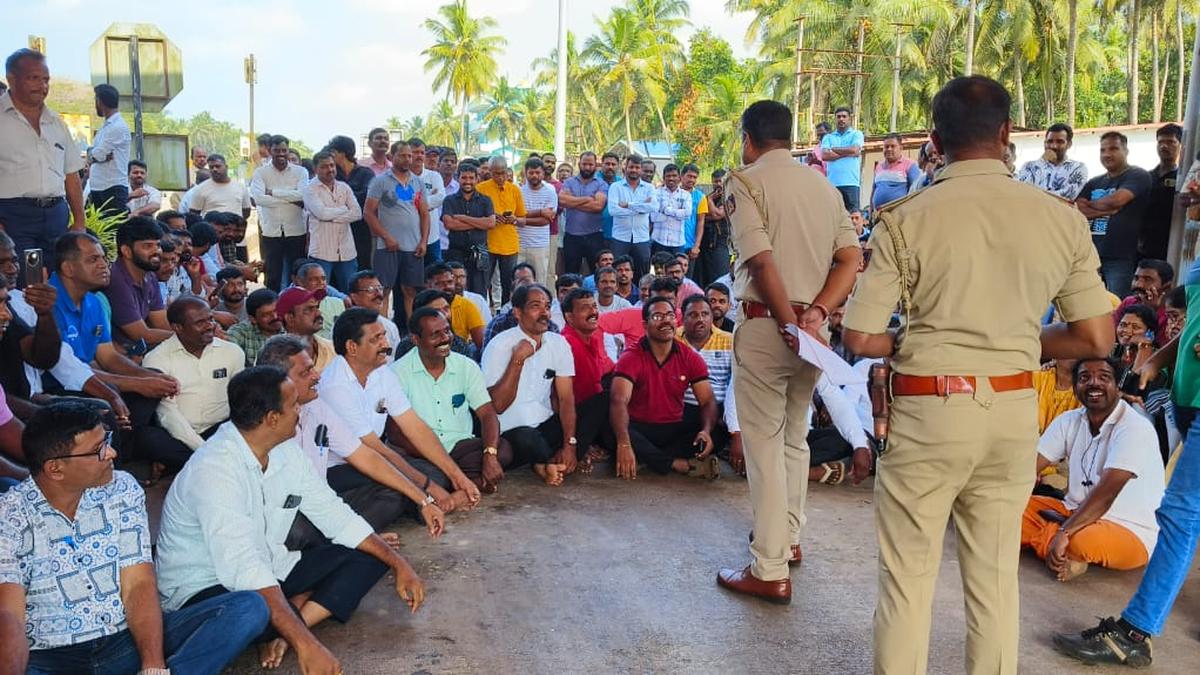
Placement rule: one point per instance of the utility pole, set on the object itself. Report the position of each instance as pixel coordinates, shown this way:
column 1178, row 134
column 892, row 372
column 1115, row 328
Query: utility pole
column 972, row 10
column 858, row 79
column 135, row 76
column 896, row 79
column 251, row 67
column 38, row 44
column 560, row 96
column 796, row 96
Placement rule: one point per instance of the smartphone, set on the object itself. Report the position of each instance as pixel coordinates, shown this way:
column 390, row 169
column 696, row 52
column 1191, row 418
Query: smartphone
column 1150, row 335
column 34, row 266
column 138, row 348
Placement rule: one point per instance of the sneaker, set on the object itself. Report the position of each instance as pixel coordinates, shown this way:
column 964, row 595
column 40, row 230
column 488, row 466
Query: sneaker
column 1112, row 641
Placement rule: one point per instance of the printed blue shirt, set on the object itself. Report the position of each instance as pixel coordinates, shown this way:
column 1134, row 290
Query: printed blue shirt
column 71, row 570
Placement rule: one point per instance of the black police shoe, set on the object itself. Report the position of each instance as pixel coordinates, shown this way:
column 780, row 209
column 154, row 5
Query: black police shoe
column 1112, row 641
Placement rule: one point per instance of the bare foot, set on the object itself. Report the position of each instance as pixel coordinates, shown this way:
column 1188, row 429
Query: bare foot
column 270, row 654
column 552, row 474
column 391, row 539
column 1072, row 569
column 597, row 454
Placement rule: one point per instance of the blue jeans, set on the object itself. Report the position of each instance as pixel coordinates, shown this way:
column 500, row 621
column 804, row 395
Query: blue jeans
column 34, row 227
column 338, row 273
column 433, row 253
column 640, row 252
column 1178, row 529
column 200, row 639
column 850, row 197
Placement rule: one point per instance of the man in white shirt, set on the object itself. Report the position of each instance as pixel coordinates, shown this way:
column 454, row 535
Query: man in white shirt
column 331, row 207
column 521, row 366
column 1053, row 172
column 219, row 193
column 541, row 207
column 42, row 191
column 1116, row 481
column 607, row 299
column 229, row 511
column 630, row 203
column 108, row 158
column 435, row 194
column 368, row 484
column 368, row 395
column 278, row 190
column 144, row 198
column 674, row 207
column 202, row 364
column 366, row 290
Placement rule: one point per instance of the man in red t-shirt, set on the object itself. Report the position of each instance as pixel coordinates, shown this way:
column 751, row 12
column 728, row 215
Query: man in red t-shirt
column 593, row 372
column 647, row 402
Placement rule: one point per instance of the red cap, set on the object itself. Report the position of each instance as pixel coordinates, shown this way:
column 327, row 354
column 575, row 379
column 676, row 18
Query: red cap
column 294, row 296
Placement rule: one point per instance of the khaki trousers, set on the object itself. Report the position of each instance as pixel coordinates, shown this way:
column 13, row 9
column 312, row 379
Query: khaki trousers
column 774, row 389
column 970, row 458
column 539, row 258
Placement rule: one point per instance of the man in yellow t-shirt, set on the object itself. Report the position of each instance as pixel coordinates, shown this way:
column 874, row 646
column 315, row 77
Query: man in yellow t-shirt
column 503, row 241
column 465, row 319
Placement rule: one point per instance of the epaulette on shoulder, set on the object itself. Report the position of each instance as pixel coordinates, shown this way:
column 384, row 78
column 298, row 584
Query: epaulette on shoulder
column 897, row 202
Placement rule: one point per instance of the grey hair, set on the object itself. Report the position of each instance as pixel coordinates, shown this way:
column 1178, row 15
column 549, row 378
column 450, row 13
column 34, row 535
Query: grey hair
column 498, row 161
column 279, row 350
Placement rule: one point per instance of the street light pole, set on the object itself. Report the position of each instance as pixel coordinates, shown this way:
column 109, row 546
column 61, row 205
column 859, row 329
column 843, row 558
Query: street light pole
column 251, row 67
column 560, row 96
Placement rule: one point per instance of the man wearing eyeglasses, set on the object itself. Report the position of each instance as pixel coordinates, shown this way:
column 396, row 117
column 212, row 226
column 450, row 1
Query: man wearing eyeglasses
column 98, row 610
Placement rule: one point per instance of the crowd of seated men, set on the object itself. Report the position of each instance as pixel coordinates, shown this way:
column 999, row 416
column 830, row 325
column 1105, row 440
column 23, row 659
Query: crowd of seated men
column 324, row 422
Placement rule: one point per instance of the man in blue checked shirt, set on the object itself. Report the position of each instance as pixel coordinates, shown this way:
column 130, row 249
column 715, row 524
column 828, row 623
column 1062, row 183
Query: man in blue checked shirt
column 630, row 203
column 78, row 592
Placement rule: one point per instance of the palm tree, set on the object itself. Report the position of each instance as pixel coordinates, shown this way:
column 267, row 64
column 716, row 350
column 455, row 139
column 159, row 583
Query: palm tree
column 617, row 52
column 1072, row 45
column 462, row 55
column 535, row 110
column 500, row 119
column 442, row 126
column 660, row 20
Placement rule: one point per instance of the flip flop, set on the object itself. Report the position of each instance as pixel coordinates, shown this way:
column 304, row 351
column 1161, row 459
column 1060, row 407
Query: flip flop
column 835, row 473
column 708, row 468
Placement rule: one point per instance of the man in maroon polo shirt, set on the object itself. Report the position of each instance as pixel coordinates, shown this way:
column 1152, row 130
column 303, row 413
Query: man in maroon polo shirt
column 647, row 402
column 593, row 370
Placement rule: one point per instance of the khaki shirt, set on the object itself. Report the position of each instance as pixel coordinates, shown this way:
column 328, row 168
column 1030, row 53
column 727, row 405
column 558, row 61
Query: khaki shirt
column 987, row 255
column 33, row 164
column 806, row 222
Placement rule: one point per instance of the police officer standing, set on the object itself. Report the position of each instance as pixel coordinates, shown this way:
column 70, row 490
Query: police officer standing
column 797, row 255
column 39, row 161
column 974, row 259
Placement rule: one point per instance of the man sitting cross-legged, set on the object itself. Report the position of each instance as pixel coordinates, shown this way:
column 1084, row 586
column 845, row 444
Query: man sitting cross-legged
column 77, row 586
column 523, row 367
column 444, row 388
column 367, row 482
column 1116, row 481
column 202, row 364
column 715, row 346
column 593, row 376
column 647, row 402
column 368, row 395
column 228, row 513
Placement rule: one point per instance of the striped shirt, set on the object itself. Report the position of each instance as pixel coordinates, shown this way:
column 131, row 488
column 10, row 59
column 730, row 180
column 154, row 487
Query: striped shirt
column 718, row 355
column 329, row 212
column 674, row 207
column 537, row 236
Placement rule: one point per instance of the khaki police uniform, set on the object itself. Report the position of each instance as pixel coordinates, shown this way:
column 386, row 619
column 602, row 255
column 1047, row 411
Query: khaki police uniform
column 777, row 204
column 985, row 256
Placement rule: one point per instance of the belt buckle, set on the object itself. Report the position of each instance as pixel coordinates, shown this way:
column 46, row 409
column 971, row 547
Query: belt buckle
column 941, row 385
column 43, row 202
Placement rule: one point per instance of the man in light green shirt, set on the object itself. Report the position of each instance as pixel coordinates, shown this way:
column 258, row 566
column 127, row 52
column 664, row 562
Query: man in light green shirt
column 444, row 388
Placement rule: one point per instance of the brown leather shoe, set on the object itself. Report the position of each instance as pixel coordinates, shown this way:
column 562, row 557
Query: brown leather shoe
column 742, row 581
column 797, row 556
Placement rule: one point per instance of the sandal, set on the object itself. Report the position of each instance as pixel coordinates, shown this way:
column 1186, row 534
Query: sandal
column 835, row 473
column 708, row 468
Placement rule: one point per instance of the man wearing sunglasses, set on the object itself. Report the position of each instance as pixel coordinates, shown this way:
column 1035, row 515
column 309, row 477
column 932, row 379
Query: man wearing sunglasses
column 76, row 516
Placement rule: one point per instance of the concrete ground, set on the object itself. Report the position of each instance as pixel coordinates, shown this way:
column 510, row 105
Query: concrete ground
column 604, row 576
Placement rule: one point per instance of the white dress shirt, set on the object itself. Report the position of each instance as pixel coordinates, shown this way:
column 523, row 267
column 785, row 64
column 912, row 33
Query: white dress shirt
column 1126, row 441
column 553, row 359
column 617, row 303
column 33, row 164
column 325, row 437
column 279, row 213
column 152, row 196
column 329, row 212
column 202, row 400
column 112, row 139
column 631, row 223
column 225, row 520
column 674, row 206
column 365, row 409
column 435, row 194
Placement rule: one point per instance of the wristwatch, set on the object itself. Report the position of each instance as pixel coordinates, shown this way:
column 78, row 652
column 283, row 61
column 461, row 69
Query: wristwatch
column 572, row 441
column 428, row 501
column 489, row 450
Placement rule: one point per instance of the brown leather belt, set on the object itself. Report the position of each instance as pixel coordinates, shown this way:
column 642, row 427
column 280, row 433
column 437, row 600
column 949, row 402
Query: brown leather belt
column 752, row 309
column 944, row 385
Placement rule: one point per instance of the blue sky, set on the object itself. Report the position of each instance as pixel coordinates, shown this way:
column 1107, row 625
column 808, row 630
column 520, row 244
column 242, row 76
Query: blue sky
column 338, row 66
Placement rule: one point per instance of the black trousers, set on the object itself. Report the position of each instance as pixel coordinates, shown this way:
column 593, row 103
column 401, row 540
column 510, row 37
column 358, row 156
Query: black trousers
column 592, row 426
column 364, row 244
column 581, row 247
column 711, row 264
column 506, row 263
column 827, row 445
column 278, row 254
column 338, row 578
column 535, row 445
column 657, row 445
column 720, row 435
column 378, row 504
column 477, row 279
column 111, row 202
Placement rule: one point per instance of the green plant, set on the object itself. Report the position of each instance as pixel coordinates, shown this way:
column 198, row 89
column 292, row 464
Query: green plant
column 104, row 227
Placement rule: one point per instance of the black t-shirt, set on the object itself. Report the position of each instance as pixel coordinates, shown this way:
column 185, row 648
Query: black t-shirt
column 1156, row 220
column 1116, row 236
column 478, row 206
column 12, row 363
